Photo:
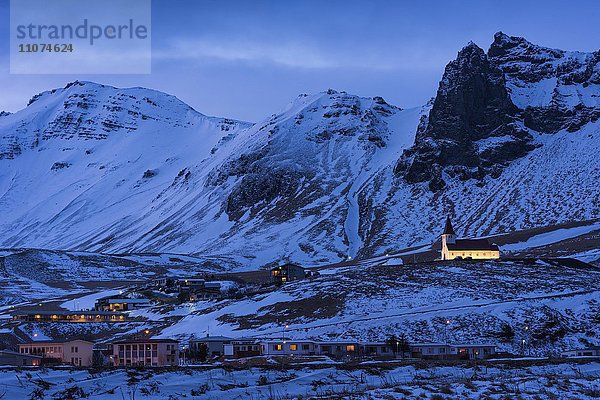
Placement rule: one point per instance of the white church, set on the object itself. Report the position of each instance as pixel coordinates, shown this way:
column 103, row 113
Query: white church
column 476, row 249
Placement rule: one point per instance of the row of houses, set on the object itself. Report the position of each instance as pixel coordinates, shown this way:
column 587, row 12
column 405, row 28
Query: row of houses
column 150, row 352
column 166, row 352
column 106, row 309
column 247, row 347
column 68, row 316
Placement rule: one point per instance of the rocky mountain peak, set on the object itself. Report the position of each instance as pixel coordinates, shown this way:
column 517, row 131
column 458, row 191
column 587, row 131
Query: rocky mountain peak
column 518, row 48
column 471, row 106
column 556, row 89
column 91, row 111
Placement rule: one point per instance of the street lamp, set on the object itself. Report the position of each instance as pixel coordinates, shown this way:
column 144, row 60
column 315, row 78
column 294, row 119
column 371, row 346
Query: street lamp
column 526, row 337
column 283, row 333
column 446, row 330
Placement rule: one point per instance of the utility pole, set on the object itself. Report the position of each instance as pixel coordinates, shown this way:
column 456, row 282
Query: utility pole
column 446, row 331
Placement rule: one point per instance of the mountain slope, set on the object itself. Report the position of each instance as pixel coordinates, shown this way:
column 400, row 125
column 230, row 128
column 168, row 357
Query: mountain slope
column 510, row 142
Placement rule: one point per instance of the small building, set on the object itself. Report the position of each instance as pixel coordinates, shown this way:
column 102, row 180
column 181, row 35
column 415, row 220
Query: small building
column 242, row 347
column 476, row 249
column 287, row 273
column 593, row 351
column 338, row 349
column 433, row 351
column 209, row 291
column 15, row 358
column 288, row 347
column 376, row 349
column 76, row 352
column 68, row 316
column 190, row 284
column 475, row 351
column 118, row 303
column 145, row 353
column 215, row 345
column 160, row 282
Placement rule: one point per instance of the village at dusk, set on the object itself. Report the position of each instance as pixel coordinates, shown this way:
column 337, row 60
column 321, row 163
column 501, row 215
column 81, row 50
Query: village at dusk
column 274, row 200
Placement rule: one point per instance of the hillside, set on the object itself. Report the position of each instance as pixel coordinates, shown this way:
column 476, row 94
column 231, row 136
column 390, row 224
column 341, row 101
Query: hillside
column 550, row 303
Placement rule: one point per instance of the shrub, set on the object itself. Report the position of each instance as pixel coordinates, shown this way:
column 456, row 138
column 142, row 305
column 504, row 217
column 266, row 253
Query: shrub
column 202, row 389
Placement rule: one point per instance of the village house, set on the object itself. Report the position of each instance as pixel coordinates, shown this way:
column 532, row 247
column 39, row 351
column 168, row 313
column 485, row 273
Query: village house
column 376, row 349
column 242, row 347
column 288, row 273
column 476, row 249
column 118, row 303
column 593, row 351
column 475, row 351
column 288, row 347
column 433, row 351
column 17, row 359
column 190, row 284
column 145, row 353
column 215, row 345
column 444, row 351
column 67, row 316
column 338, row 349
column 209, row 291
column 160, row 282
column 75, row 352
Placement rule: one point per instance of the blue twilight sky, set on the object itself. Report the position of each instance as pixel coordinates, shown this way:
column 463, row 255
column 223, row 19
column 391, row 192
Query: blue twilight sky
column 248, row 59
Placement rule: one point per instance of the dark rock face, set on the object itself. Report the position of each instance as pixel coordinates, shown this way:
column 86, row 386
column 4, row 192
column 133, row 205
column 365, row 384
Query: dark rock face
column 472, row 104
column 525, row 63
column 257, row 188
column 553, row 119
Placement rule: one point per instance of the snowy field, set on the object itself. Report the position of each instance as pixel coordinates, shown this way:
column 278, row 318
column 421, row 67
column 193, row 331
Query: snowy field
column 533, row 380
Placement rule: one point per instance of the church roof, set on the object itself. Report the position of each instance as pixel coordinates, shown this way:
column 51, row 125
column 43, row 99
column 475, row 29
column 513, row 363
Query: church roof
column 448, row 230
column 472, row 244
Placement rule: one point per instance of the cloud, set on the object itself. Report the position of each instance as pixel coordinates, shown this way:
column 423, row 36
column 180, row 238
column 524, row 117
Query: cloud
column 295, row 55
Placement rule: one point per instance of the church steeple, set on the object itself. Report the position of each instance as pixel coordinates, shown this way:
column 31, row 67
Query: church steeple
column 448, row 237
column 448, row 230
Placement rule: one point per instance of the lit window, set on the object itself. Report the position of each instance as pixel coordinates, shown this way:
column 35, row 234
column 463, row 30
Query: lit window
column 350, row 347
column 277, row 347
column 293, row 347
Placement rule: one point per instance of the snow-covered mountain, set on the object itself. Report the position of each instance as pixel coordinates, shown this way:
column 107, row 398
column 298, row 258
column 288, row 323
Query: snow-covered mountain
column 509, row 142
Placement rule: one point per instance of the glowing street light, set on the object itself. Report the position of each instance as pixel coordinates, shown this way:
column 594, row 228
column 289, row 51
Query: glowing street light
column 283, row 333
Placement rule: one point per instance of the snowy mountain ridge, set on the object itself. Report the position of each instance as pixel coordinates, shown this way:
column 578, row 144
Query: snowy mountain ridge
column 95, row 168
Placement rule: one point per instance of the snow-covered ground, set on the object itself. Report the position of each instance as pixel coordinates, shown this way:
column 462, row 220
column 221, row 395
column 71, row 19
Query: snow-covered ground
column 535, row 380
column 87, row 302
column 552, row 237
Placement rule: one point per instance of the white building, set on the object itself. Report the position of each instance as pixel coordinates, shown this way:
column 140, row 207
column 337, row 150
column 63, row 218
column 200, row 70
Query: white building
column 476, row 249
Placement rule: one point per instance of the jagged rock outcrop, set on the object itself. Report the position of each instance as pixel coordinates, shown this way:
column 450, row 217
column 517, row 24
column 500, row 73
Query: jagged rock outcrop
column 555, row 88
column 472, row 129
